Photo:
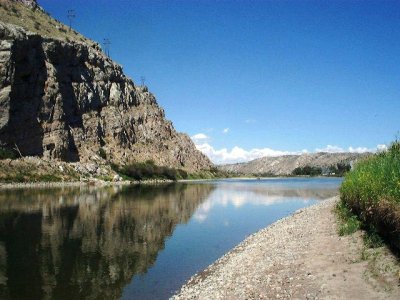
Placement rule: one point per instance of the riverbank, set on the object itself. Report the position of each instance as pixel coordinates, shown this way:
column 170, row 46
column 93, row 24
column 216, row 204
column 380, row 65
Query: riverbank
column 94, row 182
column 303, row 257
column 37, row 172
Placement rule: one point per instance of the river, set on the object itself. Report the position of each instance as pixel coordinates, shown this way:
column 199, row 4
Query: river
column 134, row 242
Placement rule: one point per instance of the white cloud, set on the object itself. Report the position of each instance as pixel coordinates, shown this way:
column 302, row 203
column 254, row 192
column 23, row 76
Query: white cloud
column 238, row 154
column 360, row 150
column 337, row 149
column 199, row 138
column 381, row 147
column 330, row 149
column 240, row 196
column 226, row 130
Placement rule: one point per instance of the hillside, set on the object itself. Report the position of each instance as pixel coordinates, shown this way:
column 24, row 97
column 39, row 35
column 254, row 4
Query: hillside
column 29, row 15
column 62, row 98
column 284, row 165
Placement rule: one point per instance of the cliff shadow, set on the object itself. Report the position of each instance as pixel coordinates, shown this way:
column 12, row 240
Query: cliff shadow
column 27, row 76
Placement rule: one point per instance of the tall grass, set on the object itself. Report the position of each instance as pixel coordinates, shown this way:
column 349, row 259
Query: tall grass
column 372, row 192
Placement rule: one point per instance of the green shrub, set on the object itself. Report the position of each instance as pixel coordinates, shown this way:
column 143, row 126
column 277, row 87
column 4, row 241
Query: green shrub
column 372, row 239
column 149, row 170
column 349, row 223
column 102, row 153
column 5, row 153
column 47, row 178
column 307, row 170
column 340, row 169
column 372, row 192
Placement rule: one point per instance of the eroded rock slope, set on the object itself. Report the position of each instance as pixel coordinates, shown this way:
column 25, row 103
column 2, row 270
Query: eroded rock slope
column 66, row 100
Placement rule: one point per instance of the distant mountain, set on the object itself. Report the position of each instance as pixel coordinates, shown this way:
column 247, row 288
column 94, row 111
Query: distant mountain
column 62, row 98
column 284, row 165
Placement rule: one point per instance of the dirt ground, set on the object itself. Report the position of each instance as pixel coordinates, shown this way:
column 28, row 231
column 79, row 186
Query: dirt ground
column 300, row 257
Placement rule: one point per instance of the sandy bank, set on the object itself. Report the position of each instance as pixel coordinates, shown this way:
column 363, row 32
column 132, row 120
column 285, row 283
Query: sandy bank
column 299, row 257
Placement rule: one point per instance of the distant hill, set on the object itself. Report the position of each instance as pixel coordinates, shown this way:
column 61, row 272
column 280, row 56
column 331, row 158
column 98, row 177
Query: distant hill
column 284, row 165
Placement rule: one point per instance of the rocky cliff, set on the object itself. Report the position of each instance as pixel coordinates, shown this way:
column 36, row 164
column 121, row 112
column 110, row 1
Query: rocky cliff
column 284, row 165
column 62, row 98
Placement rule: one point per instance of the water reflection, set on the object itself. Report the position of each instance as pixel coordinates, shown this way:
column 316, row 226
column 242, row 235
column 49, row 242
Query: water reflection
column 266, row 192
column 82, row 243
column 107, row 243
column 232, row 211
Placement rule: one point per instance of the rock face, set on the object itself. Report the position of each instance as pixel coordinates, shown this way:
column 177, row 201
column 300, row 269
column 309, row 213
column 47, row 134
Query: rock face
column 67, row 100
column 284, row 165
column 29, row 3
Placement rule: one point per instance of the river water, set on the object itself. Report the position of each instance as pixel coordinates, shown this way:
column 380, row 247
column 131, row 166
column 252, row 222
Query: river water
column 134, row 242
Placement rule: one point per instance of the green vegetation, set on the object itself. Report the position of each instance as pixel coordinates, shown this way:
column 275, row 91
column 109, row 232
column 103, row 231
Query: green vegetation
column 25, row 175
column 212, row 173
column 379, row 264
column 263, row 175
column 339, row 170
column 371, row 192
column 149, row 170
column 349, row 223
column 32, row 171
column 102, row 153
column 372, row 239
column 307, row 170
column 4, row 154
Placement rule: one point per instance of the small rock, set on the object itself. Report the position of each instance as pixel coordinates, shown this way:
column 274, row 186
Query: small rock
column 117, row 178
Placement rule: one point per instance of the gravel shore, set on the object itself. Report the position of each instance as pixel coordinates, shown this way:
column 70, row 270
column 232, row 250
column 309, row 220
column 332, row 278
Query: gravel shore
column 299, row 257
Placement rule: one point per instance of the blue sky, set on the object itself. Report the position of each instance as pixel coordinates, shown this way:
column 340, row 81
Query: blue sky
column 253, row 78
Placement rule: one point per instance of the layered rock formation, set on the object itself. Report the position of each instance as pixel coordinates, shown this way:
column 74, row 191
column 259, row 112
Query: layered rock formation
column 66, row 100
column 284, row 165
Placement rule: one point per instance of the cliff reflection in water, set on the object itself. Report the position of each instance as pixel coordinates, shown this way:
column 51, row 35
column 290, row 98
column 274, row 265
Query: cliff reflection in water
column 81, row 243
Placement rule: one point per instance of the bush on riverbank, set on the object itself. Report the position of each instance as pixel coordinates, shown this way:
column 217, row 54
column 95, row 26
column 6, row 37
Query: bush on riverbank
column 372, row 192
column 149, row 170
column 307, row 170
column 339, row 170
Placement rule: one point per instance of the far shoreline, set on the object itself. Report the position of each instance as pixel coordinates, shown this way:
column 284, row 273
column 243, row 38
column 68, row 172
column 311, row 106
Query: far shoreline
column 102, row 183
column 89, row 183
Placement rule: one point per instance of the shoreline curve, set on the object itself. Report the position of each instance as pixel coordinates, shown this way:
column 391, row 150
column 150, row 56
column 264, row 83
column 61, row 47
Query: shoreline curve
column 300, row 256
